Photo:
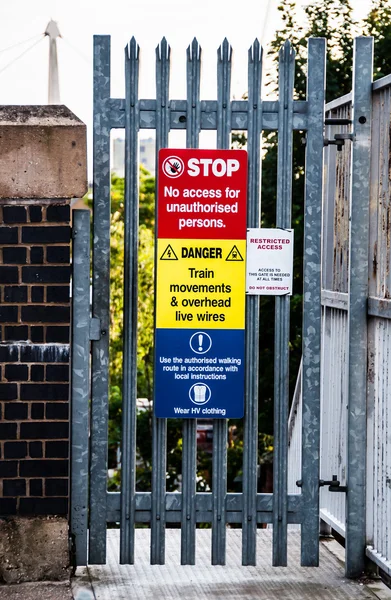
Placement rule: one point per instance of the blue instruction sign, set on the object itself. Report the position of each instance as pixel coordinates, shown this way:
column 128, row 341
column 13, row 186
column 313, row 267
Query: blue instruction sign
column 200, row 283
column 199, row 373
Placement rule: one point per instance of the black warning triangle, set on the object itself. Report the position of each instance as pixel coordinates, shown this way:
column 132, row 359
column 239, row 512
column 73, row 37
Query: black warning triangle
column 169, row 254
column 234, row 255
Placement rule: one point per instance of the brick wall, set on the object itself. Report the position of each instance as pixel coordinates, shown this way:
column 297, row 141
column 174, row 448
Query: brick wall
column 34, row 358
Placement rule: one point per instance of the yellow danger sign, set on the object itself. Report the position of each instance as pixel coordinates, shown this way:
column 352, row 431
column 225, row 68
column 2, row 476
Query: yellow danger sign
column 169, row 254
column 203, row 287
column 234, row 255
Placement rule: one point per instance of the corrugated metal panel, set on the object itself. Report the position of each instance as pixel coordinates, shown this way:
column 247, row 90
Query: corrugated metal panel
column 379, row 334
column 380, row 230
column 379, row 453
column 337, row 201
column 334, row 409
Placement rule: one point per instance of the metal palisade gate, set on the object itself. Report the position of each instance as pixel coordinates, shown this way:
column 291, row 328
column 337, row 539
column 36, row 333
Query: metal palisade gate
column 92, row 506
column 355, row 309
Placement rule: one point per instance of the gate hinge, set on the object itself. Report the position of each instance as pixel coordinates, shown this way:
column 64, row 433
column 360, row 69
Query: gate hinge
column 334, row 484
column 337, row 121
column 95, row 332
column 339, row 140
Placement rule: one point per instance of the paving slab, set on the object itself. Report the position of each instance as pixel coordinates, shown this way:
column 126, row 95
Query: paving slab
column 233, row 581
column 40, row 590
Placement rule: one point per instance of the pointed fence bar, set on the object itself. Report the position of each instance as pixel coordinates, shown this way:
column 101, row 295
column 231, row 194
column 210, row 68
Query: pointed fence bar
column 286, row 74
column 129, row 386
column 218, row 508
column 159, row 426
column 189, row 428
column 250, row 451
column 220, row 427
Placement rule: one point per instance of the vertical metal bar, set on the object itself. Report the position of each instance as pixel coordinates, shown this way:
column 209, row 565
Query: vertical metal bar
column 312, row 312
column 100, row 301
column 129, row 386
column 189, row 427
column 250, row 449
column 330, row 163
column 159, row 426
column 80, row 382
column 358, row 293
column 282, row 308
column 220, row 428
column 193, row 69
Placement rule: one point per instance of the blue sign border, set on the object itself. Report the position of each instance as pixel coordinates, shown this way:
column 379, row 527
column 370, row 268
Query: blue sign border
column 199, row 374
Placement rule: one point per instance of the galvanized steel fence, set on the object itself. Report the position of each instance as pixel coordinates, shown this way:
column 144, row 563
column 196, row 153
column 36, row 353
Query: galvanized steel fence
column 356, row 342
column 91, row 505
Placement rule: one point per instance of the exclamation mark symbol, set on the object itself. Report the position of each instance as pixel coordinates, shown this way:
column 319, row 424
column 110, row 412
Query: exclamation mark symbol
column 200, row 338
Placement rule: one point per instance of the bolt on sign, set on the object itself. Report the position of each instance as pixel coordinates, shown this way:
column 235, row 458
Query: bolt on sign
column 200, row 296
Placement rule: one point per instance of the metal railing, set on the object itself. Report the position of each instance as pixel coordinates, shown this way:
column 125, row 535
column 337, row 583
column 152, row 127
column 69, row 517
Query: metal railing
column 335, row 333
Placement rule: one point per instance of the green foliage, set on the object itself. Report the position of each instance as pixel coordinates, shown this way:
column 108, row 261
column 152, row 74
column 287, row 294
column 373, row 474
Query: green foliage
column 332, row 20
column 145, row 300
column 378, row 24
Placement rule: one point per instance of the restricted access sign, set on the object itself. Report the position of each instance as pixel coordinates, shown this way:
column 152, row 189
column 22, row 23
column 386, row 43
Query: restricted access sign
column 200, row 303
column 269, row 262
column 202, row 194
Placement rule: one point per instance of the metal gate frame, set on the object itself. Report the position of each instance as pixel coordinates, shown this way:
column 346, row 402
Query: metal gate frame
column 92, row 507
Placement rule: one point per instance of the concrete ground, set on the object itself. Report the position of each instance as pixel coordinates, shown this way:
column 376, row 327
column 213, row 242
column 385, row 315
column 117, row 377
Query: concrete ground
column 203, row 581
column 37, row 591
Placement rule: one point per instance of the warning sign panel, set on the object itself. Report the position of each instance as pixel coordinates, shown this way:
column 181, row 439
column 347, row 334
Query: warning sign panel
column 234, row 255
column 202, row 194
column 199, row 373
column 201, row 278
column 269, row 262
column 168, row 254
column 205, row 287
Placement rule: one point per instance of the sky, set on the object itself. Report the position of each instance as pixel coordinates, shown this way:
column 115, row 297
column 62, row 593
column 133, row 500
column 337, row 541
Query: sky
column 25, row 80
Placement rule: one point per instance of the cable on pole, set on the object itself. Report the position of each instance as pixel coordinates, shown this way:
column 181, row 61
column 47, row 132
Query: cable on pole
column 83, row 56
column 34, row 37
column 22, row 54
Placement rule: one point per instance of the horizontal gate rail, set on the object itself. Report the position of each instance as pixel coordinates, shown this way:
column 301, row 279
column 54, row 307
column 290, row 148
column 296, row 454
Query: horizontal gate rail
column 377, row 307
column 203, row 507
column 177, row 111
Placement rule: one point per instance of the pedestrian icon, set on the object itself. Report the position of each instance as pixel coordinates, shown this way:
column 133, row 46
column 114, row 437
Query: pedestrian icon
column 200, row 393
column 234, row 255
column 200, row 342
column 169, row 254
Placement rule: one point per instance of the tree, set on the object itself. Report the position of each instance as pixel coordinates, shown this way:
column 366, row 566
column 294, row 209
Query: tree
column 333, row 20
column 378, row 24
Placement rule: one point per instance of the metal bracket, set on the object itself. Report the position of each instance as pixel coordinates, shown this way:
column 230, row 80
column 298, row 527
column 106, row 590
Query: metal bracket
column 334, row 484
column 337, row 121
column 95, row 332
column 339, row 140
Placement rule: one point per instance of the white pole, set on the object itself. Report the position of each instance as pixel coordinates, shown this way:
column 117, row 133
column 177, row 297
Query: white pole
column 53, row 32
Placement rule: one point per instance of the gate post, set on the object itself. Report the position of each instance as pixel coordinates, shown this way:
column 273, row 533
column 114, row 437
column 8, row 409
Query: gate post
column 358, row 295
column 43, row 166
column 311, row 302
